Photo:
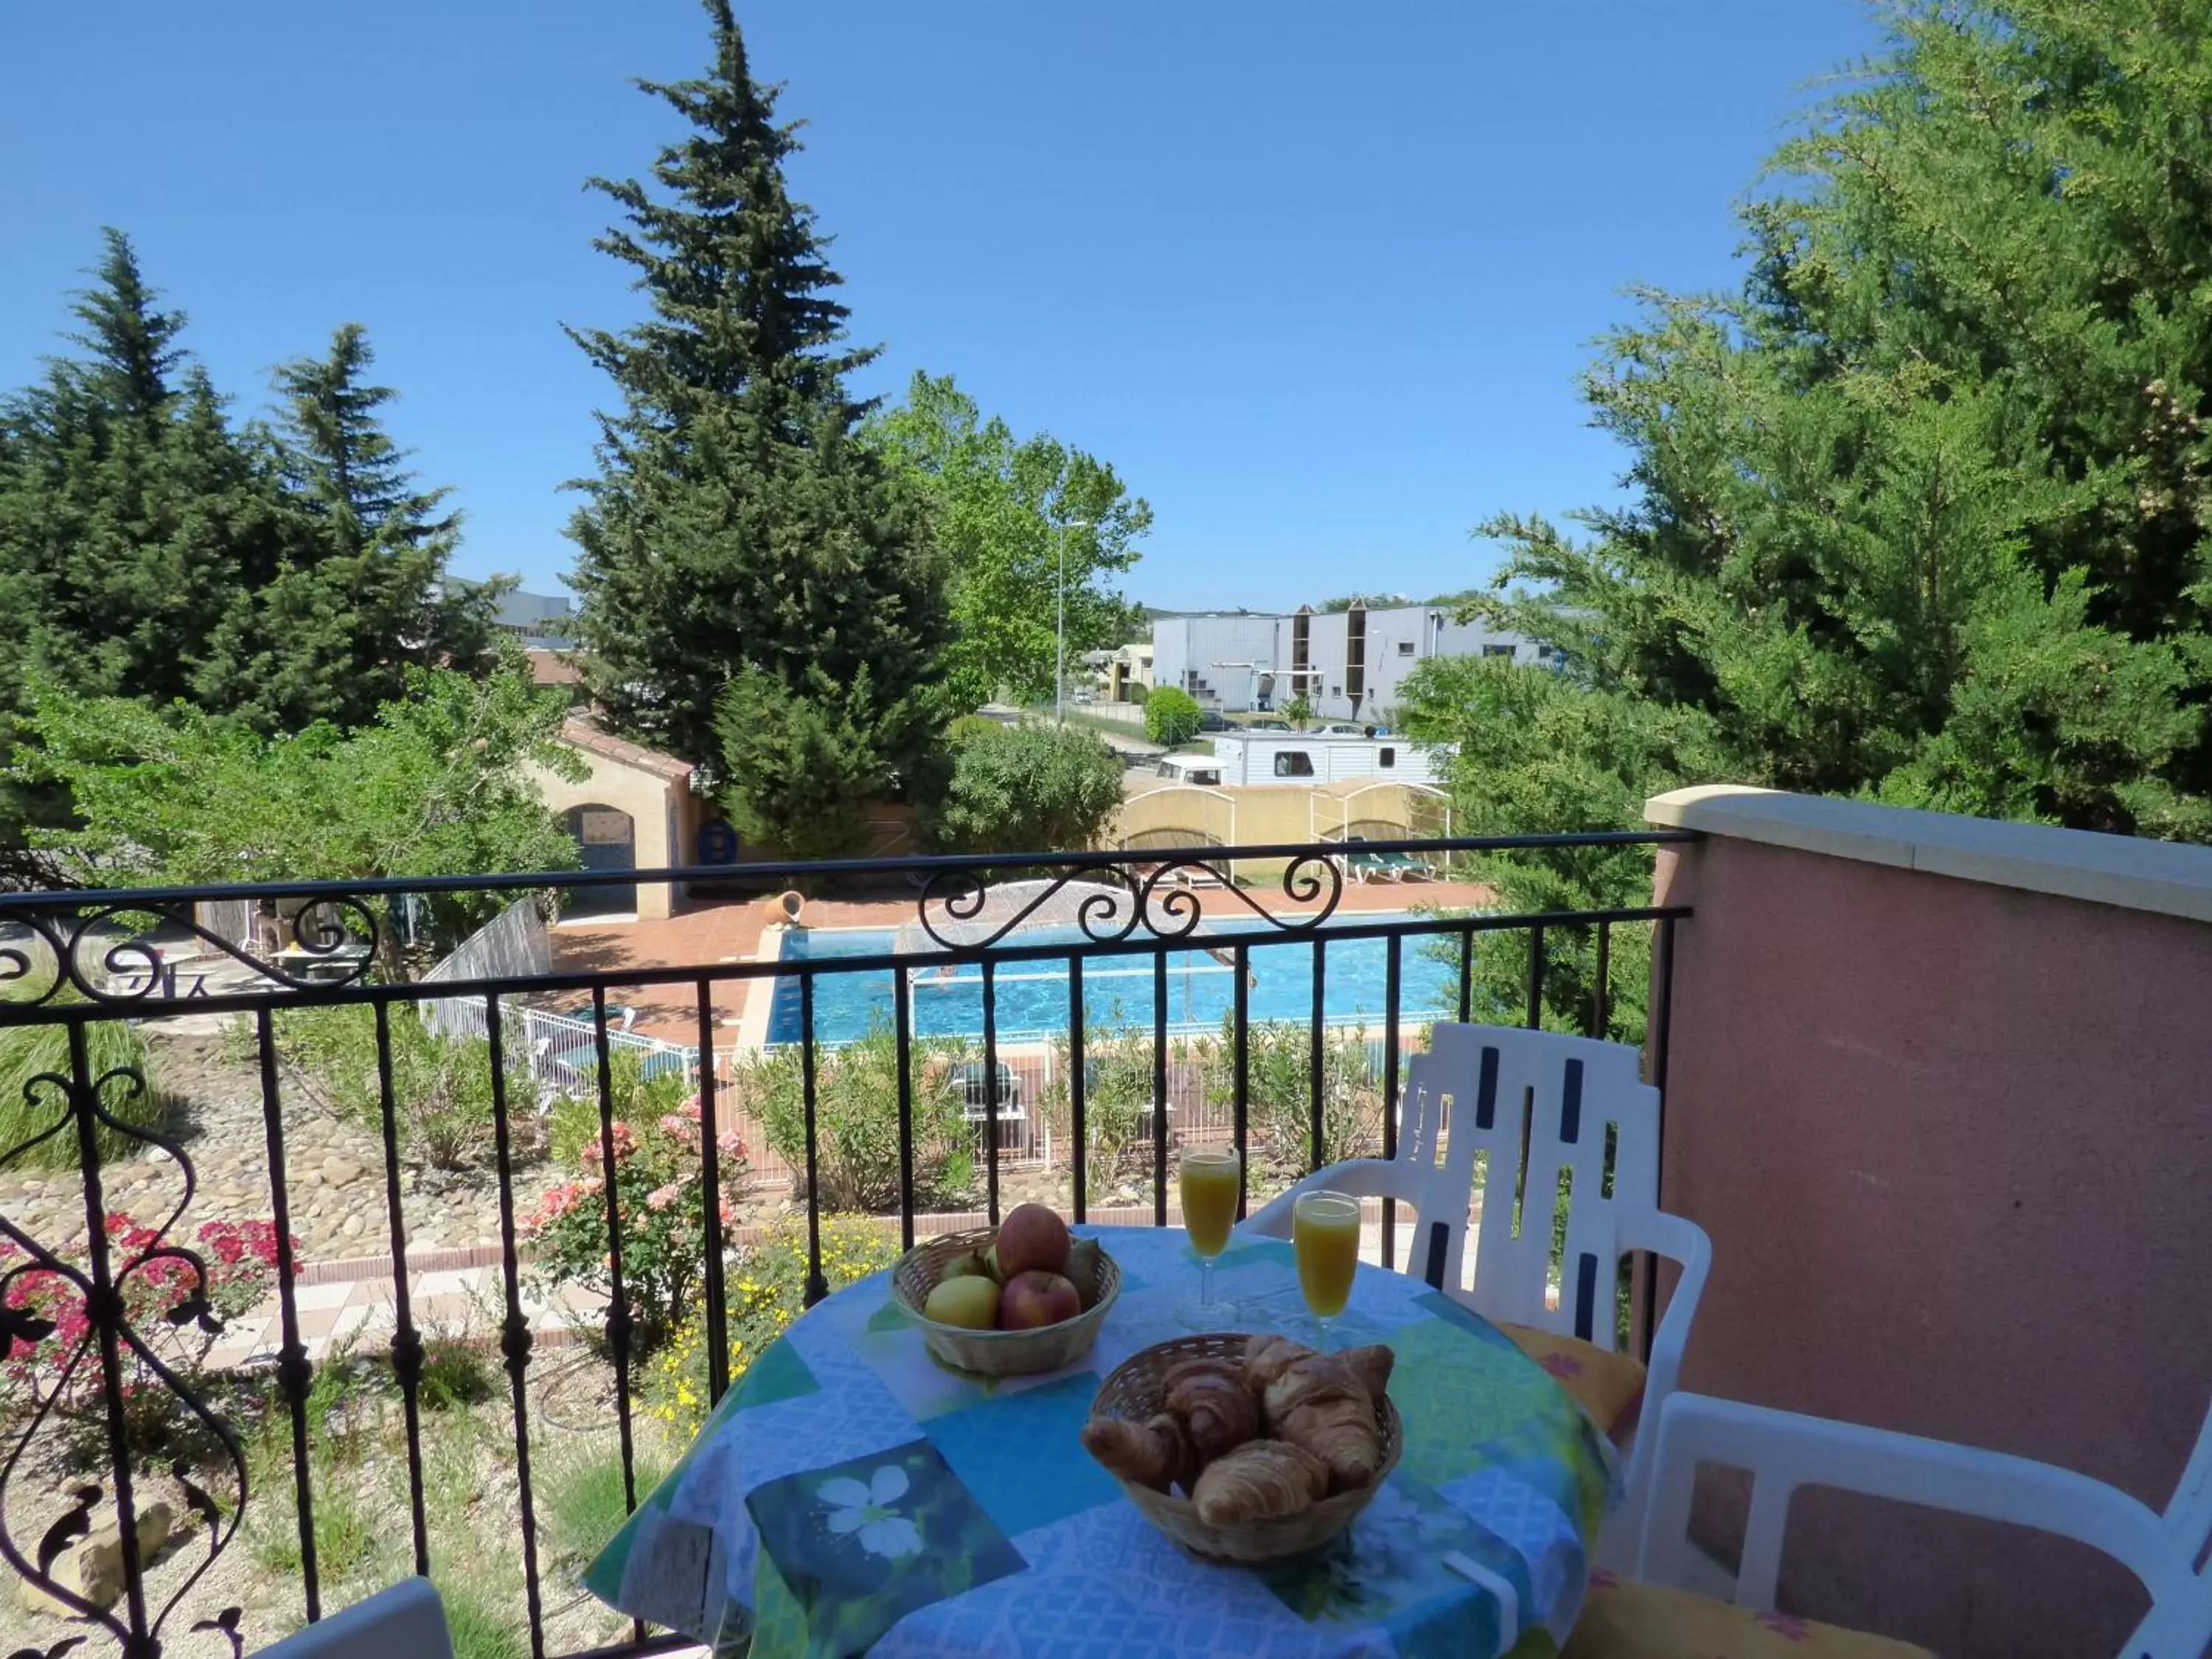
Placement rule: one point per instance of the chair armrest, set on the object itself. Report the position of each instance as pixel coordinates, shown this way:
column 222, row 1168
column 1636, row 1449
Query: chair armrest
column 1784, row 1451
column 1683, row 1241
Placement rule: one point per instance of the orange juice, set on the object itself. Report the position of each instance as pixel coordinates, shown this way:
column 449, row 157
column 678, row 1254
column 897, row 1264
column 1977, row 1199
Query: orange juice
column 1325, row 1234
column 1210, row 1181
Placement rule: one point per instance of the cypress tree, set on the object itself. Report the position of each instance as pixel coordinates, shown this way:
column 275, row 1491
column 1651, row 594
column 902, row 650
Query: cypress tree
column 736, row 531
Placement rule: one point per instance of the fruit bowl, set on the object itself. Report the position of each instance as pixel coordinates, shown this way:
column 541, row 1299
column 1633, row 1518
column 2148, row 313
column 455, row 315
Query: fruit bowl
column 996, row 1353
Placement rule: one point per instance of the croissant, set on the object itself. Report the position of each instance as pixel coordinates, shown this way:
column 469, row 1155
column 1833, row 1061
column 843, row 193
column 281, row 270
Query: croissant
column 1217, row 1411
column 1156, row 1453
column 1261, row 1480
column 1324, row 1403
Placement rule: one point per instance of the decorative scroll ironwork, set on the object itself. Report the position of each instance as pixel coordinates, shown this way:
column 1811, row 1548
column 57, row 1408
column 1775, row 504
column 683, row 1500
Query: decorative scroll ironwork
column 339, row 929
column 1159, row 894
column 107, row 1361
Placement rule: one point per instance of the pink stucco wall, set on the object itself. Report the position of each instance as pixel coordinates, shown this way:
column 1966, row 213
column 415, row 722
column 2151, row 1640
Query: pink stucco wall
column 1953, row 1142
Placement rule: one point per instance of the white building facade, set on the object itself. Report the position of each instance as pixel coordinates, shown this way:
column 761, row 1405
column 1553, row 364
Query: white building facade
column 1350, row 664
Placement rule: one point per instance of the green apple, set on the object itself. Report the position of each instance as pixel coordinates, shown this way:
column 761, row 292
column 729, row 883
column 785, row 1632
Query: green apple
column 969, row 1266
column 969, row 1302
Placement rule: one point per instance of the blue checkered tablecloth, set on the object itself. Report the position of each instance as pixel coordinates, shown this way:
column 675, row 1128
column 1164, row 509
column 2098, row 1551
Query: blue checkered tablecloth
column 851, row 1495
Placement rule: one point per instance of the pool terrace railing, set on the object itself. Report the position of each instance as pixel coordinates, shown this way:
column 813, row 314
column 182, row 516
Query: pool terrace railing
column 75, row 1390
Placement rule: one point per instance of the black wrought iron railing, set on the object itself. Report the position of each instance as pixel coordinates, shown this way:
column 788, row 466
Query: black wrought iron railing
column 162, row 1052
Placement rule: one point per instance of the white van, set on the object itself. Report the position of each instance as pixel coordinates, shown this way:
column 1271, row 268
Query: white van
column 1201, row 771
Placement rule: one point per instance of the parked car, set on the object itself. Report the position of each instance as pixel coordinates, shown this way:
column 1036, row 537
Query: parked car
column 1267, row 726
column 1212, row 720
column 1340, row 729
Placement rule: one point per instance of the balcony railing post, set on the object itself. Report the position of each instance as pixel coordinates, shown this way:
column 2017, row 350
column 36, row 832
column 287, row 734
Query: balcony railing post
column 104, row 1308
column 817, row 1286
column 1317, row 1053
column 1160, row 1090
column 1240, row 1036
column 406, row 1341
column 710, row 1183
column 1392, row 972
column 1078, row 1088
column 294, row 1374
column 903, row 1023
column 514, row 1338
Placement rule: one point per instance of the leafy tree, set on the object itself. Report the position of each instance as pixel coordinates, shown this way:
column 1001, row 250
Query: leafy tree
column 1005, row 512
column 1171, row 716
column 736, row 533
column 440, row 784
column 1028, row 788
column 1299, row 712
column 1921, row 513
column 1364, row 601
column 1533, row 753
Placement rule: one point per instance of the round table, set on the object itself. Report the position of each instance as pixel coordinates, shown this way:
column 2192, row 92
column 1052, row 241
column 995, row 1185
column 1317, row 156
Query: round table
column 849, row 1494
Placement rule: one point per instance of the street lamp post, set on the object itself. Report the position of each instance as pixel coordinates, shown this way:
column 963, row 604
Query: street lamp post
column 1059, row 627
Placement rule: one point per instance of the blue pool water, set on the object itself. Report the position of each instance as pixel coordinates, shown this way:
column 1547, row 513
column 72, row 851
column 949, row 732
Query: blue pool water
column 1117, row 989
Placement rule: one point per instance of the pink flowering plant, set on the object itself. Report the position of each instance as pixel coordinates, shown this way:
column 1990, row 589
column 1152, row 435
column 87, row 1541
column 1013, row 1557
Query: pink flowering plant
column 659, row 1181
column 176, row 1306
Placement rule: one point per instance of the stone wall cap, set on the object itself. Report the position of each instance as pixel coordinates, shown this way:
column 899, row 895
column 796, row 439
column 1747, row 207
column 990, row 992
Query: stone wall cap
column 2171, row 879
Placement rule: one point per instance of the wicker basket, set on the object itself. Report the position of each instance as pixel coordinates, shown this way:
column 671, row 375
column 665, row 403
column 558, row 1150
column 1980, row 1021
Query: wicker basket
column 997, row 1353
column 1135, row 1390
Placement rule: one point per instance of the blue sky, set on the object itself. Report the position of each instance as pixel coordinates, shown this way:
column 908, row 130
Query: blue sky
column 1317, row 279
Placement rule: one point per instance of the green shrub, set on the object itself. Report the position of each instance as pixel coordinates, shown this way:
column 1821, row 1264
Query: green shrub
column 479, row 1628
column 441, row 1085
column 1028, row 788
column 1170, row 715
column 1278, row 1084
column 27, row 1051
column 661, row 1191
column 1117, row 1099
column 766, row 1292
column 857, row 1119
column 457, row 1373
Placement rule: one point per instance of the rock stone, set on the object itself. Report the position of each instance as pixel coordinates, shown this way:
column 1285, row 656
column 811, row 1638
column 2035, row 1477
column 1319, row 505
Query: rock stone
column 340, row 1172
column 93, row 1569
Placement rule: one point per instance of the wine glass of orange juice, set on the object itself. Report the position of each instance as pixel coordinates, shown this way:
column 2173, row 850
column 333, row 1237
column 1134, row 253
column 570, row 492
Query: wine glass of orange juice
column 1325, row 1236
column 1212, row 1178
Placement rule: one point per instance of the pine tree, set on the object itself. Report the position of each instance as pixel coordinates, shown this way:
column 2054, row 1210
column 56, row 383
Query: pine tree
column 360, row 594
column 736, row 530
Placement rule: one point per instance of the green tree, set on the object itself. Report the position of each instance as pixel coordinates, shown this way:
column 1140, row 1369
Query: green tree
column 1028, row 788
column 1171, row 716
column 330, row 633
column 805, row 766
column 440, row 784
column 1533, row 753
column 1299, row 711
column 1006, row 511
column 736, row 532
column 1921, row 513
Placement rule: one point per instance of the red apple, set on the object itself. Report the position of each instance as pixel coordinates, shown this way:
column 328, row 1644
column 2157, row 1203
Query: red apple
column 1033, row 1300
column 1032, row 1239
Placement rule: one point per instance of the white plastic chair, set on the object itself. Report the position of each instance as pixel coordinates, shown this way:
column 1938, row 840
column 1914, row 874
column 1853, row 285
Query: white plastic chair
column 407, row 1621
column 1784, row 1451
column 1543, row 1102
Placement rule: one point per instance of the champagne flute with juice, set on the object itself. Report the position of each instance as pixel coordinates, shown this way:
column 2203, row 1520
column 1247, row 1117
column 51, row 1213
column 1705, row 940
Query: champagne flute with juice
column 1212, row 1178
column 1325, row 1236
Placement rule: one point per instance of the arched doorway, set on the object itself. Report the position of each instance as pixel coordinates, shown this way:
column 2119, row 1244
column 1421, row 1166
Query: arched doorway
column 606, row 839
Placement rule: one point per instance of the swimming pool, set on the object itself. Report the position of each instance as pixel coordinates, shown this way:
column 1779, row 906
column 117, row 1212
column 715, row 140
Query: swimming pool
column 1031, row 997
